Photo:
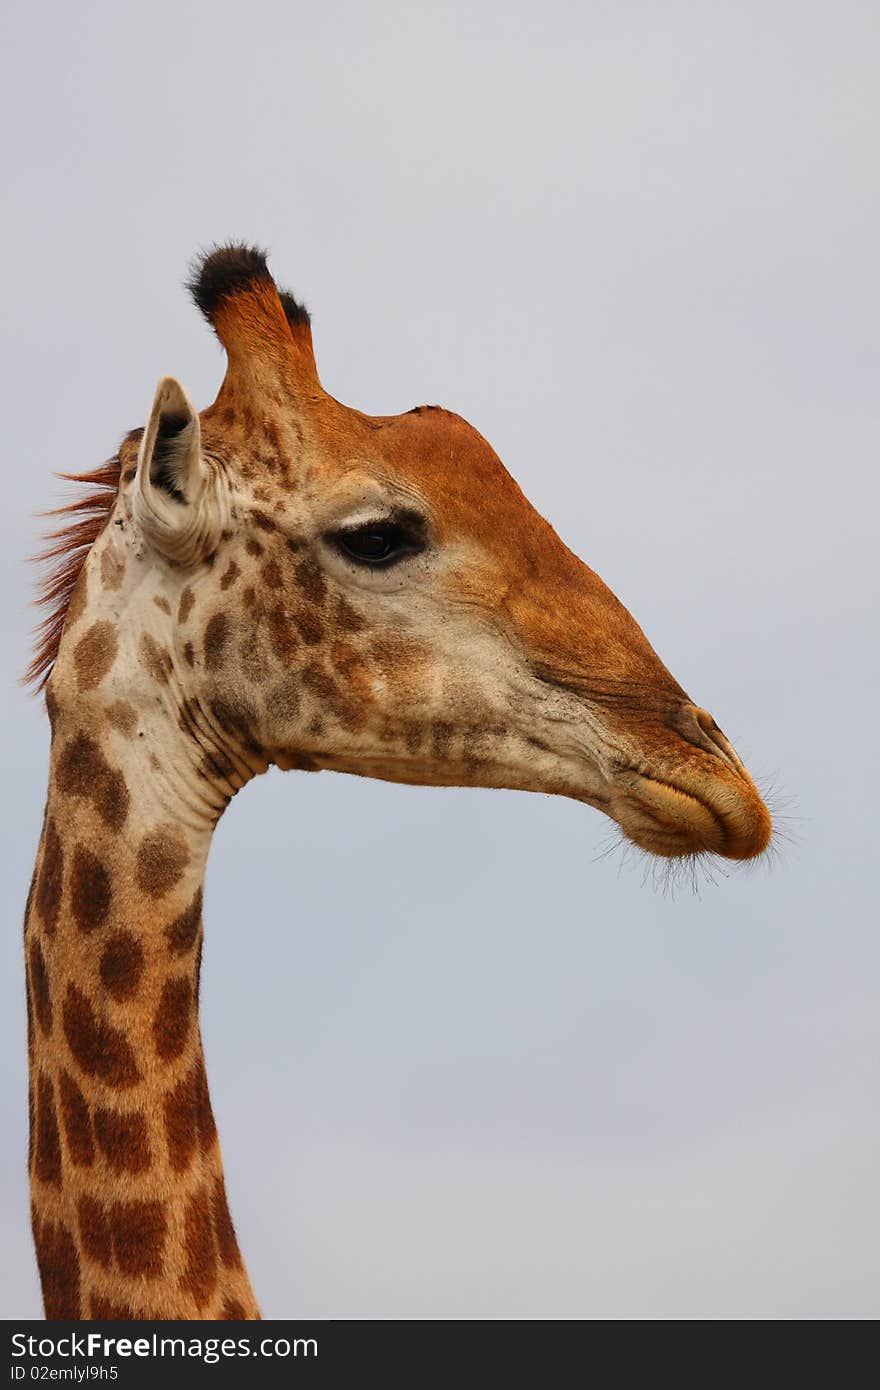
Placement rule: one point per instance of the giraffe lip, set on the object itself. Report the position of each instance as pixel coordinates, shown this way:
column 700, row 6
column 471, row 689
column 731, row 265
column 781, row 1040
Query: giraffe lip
column 716, row 814
column 664, row 818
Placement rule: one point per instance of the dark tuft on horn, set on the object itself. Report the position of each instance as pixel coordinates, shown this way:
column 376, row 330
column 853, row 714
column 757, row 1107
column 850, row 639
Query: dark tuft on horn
column 224, row 271
column 297, row 314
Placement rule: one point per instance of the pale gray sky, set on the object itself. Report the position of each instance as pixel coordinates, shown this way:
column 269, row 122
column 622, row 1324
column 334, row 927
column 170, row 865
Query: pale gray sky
column 460, row 1069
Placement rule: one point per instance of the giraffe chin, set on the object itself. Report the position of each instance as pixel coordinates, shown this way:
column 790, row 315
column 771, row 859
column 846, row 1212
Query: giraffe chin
column 726, row 816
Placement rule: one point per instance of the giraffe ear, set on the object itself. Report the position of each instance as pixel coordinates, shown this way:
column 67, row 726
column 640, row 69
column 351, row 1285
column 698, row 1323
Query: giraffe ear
column 170, row 458
column 176, row 499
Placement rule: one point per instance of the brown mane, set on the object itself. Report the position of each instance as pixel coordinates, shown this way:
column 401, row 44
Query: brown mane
column 64, row 553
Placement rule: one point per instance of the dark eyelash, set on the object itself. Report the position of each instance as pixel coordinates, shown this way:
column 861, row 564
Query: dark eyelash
column 381, row 543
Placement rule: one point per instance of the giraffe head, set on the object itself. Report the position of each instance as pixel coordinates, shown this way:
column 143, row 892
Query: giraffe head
column 309, row 586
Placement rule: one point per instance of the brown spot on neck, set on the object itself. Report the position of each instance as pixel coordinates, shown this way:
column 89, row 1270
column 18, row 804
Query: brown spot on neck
column 94, row 654
column 51, row 708
column 155, row 659
column 122, row 1137
column 173, row 1015
column 226, row 1241
column 77, row 1123
column 47, row 1150
column 204, row 1114
column 184, row 608
column 181, row 1131
column 58, row 1263
column 47, row 897
column 138, row 1234
column 94, row 1231
column 161, row 859
column 39, row 983
column 89, row 890
column 122, row 716
column 122, row 964
column 112, row 566
column 83, row 771
column 216, row 633
column 200, row 1275
column 101, row 1050
column 183, row 931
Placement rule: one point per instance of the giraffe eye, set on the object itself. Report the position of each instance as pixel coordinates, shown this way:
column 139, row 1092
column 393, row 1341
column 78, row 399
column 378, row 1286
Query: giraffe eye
column 379, row 543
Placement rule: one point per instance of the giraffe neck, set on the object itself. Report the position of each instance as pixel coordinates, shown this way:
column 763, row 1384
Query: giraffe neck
column 128, row 1202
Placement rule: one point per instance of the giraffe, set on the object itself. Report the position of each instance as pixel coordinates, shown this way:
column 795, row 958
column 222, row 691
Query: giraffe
column 280, row 579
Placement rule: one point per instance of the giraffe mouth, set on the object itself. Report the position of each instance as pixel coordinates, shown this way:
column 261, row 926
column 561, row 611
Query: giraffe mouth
column 711, row 813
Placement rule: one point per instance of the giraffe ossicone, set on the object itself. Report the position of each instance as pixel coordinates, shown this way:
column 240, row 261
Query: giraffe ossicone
column 281, row 579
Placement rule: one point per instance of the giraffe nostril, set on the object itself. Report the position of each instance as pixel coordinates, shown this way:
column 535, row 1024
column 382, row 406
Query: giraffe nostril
column 713, row 738
column 700, row 729
column 708, row 725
